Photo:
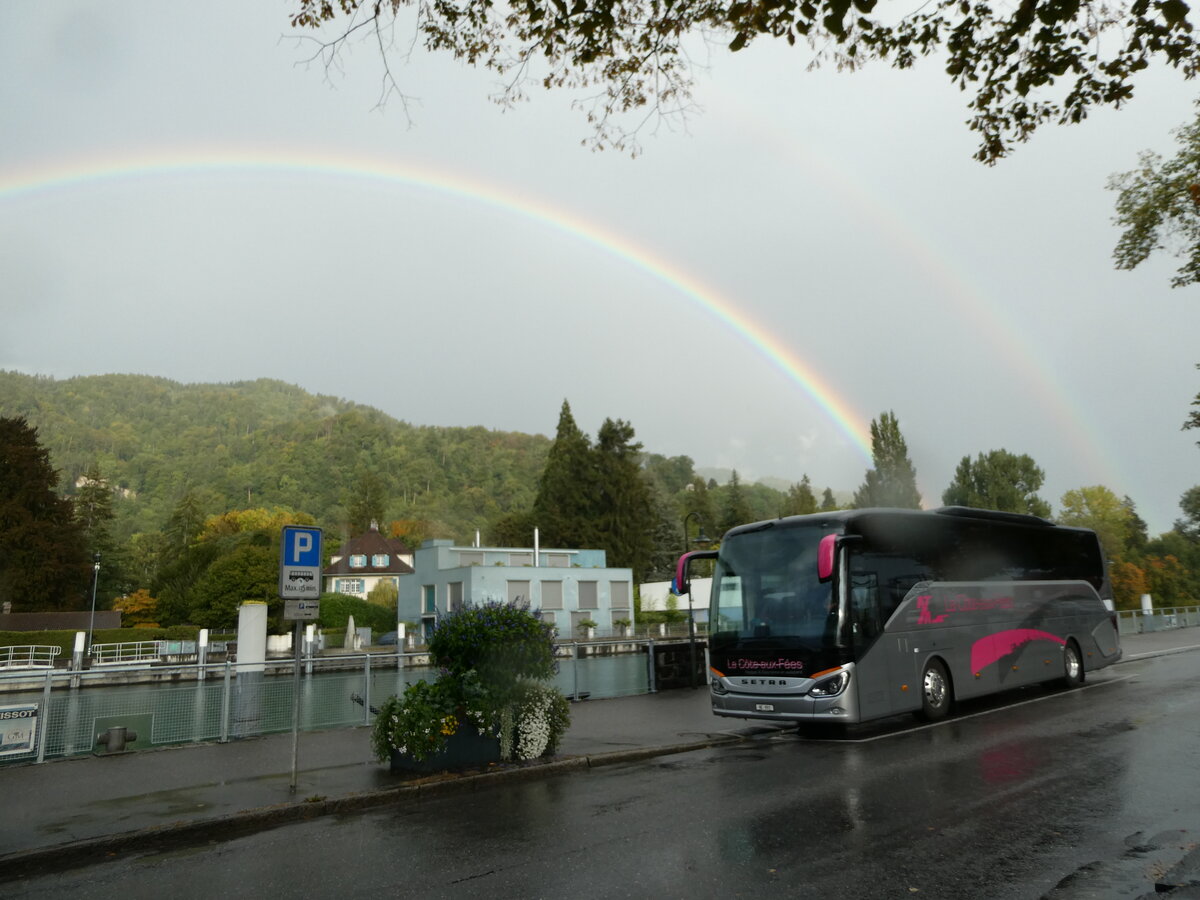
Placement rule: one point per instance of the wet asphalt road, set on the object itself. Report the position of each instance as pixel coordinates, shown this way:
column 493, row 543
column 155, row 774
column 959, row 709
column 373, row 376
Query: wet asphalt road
column 1088, row 793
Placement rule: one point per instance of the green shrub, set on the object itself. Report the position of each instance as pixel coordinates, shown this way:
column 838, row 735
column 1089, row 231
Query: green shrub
column 336, row 609
column 496, row 661
column 499, row 641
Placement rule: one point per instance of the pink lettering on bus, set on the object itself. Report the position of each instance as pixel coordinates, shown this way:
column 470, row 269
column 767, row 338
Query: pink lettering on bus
column 926, row 618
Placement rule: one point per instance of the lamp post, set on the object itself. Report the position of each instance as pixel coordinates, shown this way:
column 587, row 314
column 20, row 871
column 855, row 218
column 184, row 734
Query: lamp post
column 95, row 579
column 691, row 607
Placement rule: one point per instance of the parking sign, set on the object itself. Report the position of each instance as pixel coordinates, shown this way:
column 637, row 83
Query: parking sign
column 300, row 563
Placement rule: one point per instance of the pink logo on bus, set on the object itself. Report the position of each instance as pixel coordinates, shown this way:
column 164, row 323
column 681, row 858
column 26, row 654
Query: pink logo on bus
column 926, row 618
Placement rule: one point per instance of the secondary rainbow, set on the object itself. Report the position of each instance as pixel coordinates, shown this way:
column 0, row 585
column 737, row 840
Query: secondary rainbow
column 72, row 173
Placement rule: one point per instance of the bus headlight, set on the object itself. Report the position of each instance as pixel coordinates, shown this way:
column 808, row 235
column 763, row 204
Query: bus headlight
column 715, row 683
column 831, row 687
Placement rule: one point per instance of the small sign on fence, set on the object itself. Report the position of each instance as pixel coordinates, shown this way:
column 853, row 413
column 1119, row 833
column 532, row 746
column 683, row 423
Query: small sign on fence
column 18, row 729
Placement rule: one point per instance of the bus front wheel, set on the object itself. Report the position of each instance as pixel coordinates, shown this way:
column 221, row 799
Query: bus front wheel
column 1072, row 665
column 935, row 692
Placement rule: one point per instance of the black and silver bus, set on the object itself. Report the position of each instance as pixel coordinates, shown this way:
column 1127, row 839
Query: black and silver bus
column 860, row 614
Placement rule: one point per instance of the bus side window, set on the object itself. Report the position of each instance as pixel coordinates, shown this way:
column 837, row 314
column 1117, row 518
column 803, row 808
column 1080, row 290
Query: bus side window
column 865, row 621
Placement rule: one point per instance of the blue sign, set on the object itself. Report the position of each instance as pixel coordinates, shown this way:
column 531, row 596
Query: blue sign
column 301, row 546
column 299, row 564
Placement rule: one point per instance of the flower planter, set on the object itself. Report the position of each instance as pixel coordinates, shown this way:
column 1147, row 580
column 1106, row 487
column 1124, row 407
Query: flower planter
column 464, row 749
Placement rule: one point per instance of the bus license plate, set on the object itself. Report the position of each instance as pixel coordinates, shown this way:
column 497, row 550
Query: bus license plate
column 764, row 707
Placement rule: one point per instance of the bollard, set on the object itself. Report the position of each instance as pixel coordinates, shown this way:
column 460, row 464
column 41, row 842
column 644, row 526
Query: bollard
column 116, row 738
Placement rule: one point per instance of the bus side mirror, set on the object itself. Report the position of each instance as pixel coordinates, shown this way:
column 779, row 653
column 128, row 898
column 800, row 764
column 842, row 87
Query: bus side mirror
column 683, row 582
column 827, row 552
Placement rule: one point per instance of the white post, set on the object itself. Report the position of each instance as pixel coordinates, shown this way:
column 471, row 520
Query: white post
column 536, row 543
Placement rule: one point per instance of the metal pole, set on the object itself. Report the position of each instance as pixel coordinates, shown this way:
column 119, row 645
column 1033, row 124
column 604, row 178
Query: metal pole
column 691, row 609
column 95, row 580
column 367, row 689
column 224, row 738
column 295, row 706
column 44, row 715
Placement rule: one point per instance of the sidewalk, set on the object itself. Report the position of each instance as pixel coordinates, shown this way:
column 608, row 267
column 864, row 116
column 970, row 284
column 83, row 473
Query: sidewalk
column 77, row 810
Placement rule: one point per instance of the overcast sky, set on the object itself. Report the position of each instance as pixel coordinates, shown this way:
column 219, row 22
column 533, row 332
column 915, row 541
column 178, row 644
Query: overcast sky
column 181, row 196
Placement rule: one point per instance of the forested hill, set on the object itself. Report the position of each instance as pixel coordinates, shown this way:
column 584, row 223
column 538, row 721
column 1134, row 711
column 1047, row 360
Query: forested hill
column 265, row 444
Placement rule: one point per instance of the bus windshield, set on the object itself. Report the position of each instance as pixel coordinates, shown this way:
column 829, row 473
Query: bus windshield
column 766, row 592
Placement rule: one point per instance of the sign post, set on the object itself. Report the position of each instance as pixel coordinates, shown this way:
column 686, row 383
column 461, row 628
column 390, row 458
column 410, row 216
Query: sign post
column 300, row 588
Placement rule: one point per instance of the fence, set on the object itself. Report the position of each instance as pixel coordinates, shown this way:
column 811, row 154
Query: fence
column 73, row 712
column 1135, row 621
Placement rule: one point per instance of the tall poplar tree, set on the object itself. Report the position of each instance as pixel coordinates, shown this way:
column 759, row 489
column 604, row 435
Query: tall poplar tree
column 893, row 481
column 625, row 513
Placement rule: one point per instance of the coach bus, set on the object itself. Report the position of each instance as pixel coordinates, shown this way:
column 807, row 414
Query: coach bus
column 856, row 615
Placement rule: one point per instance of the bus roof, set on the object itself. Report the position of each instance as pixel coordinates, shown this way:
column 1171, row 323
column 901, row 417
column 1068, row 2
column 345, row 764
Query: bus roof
column 847, row 517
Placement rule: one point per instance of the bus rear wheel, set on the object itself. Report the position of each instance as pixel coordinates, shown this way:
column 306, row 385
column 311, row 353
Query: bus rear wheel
column 936, row 694
column 1072, row 665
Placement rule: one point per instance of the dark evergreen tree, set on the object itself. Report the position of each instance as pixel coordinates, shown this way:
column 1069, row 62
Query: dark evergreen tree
column 893, row 480
column 43, row 560
column 735, row 510
column 828, row 501
column 626, row 518
column 565, row 508
column 800, row 500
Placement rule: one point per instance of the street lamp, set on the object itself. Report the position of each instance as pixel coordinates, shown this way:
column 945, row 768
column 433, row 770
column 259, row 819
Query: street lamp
column 95, row 579
column 691, row 605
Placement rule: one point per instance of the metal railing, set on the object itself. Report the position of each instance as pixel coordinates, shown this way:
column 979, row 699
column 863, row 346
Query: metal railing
column 179, row 704
column 130, row 652
column 1135, row 621
column 29, row 656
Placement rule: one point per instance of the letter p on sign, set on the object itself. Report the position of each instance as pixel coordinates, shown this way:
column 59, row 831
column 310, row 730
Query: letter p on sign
column 302, row 546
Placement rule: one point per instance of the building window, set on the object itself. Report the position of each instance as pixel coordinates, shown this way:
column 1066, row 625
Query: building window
column 349, row 586
column 619, row 592
column 520, row 559
column 518, row 591
column 429, row 596
column 380, row 560
column 552, row 595
column 588, row 597
column 558, row 560
column 470, row 558
column 550, row 619
column 358, row 561
column 454, row 596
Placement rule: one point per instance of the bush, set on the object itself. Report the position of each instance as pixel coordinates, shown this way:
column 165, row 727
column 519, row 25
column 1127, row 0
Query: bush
column 501, row 642
column 495, row 661
column 337, row 608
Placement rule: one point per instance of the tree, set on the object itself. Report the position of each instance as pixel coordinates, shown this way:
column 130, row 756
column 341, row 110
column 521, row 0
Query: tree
column 626, row 517
column 800, row 500
column 384, row 594
column 893, row 481
column 828, row 501
column 1023, row 64
column 1158, row 206
column 366, row 503
column 43, row 561
column 250, row 572
column 564, row 509
column 138, row 608
column 1099, row 509
column 998, row 480
column 735, row 510
column 93, row 505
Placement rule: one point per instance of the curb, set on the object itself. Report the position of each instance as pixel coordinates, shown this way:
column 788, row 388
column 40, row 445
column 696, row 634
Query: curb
column 76, row 854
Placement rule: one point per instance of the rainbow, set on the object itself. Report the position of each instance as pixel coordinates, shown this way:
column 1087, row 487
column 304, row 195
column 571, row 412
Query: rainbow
column 988, row 318
column 73, row 173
